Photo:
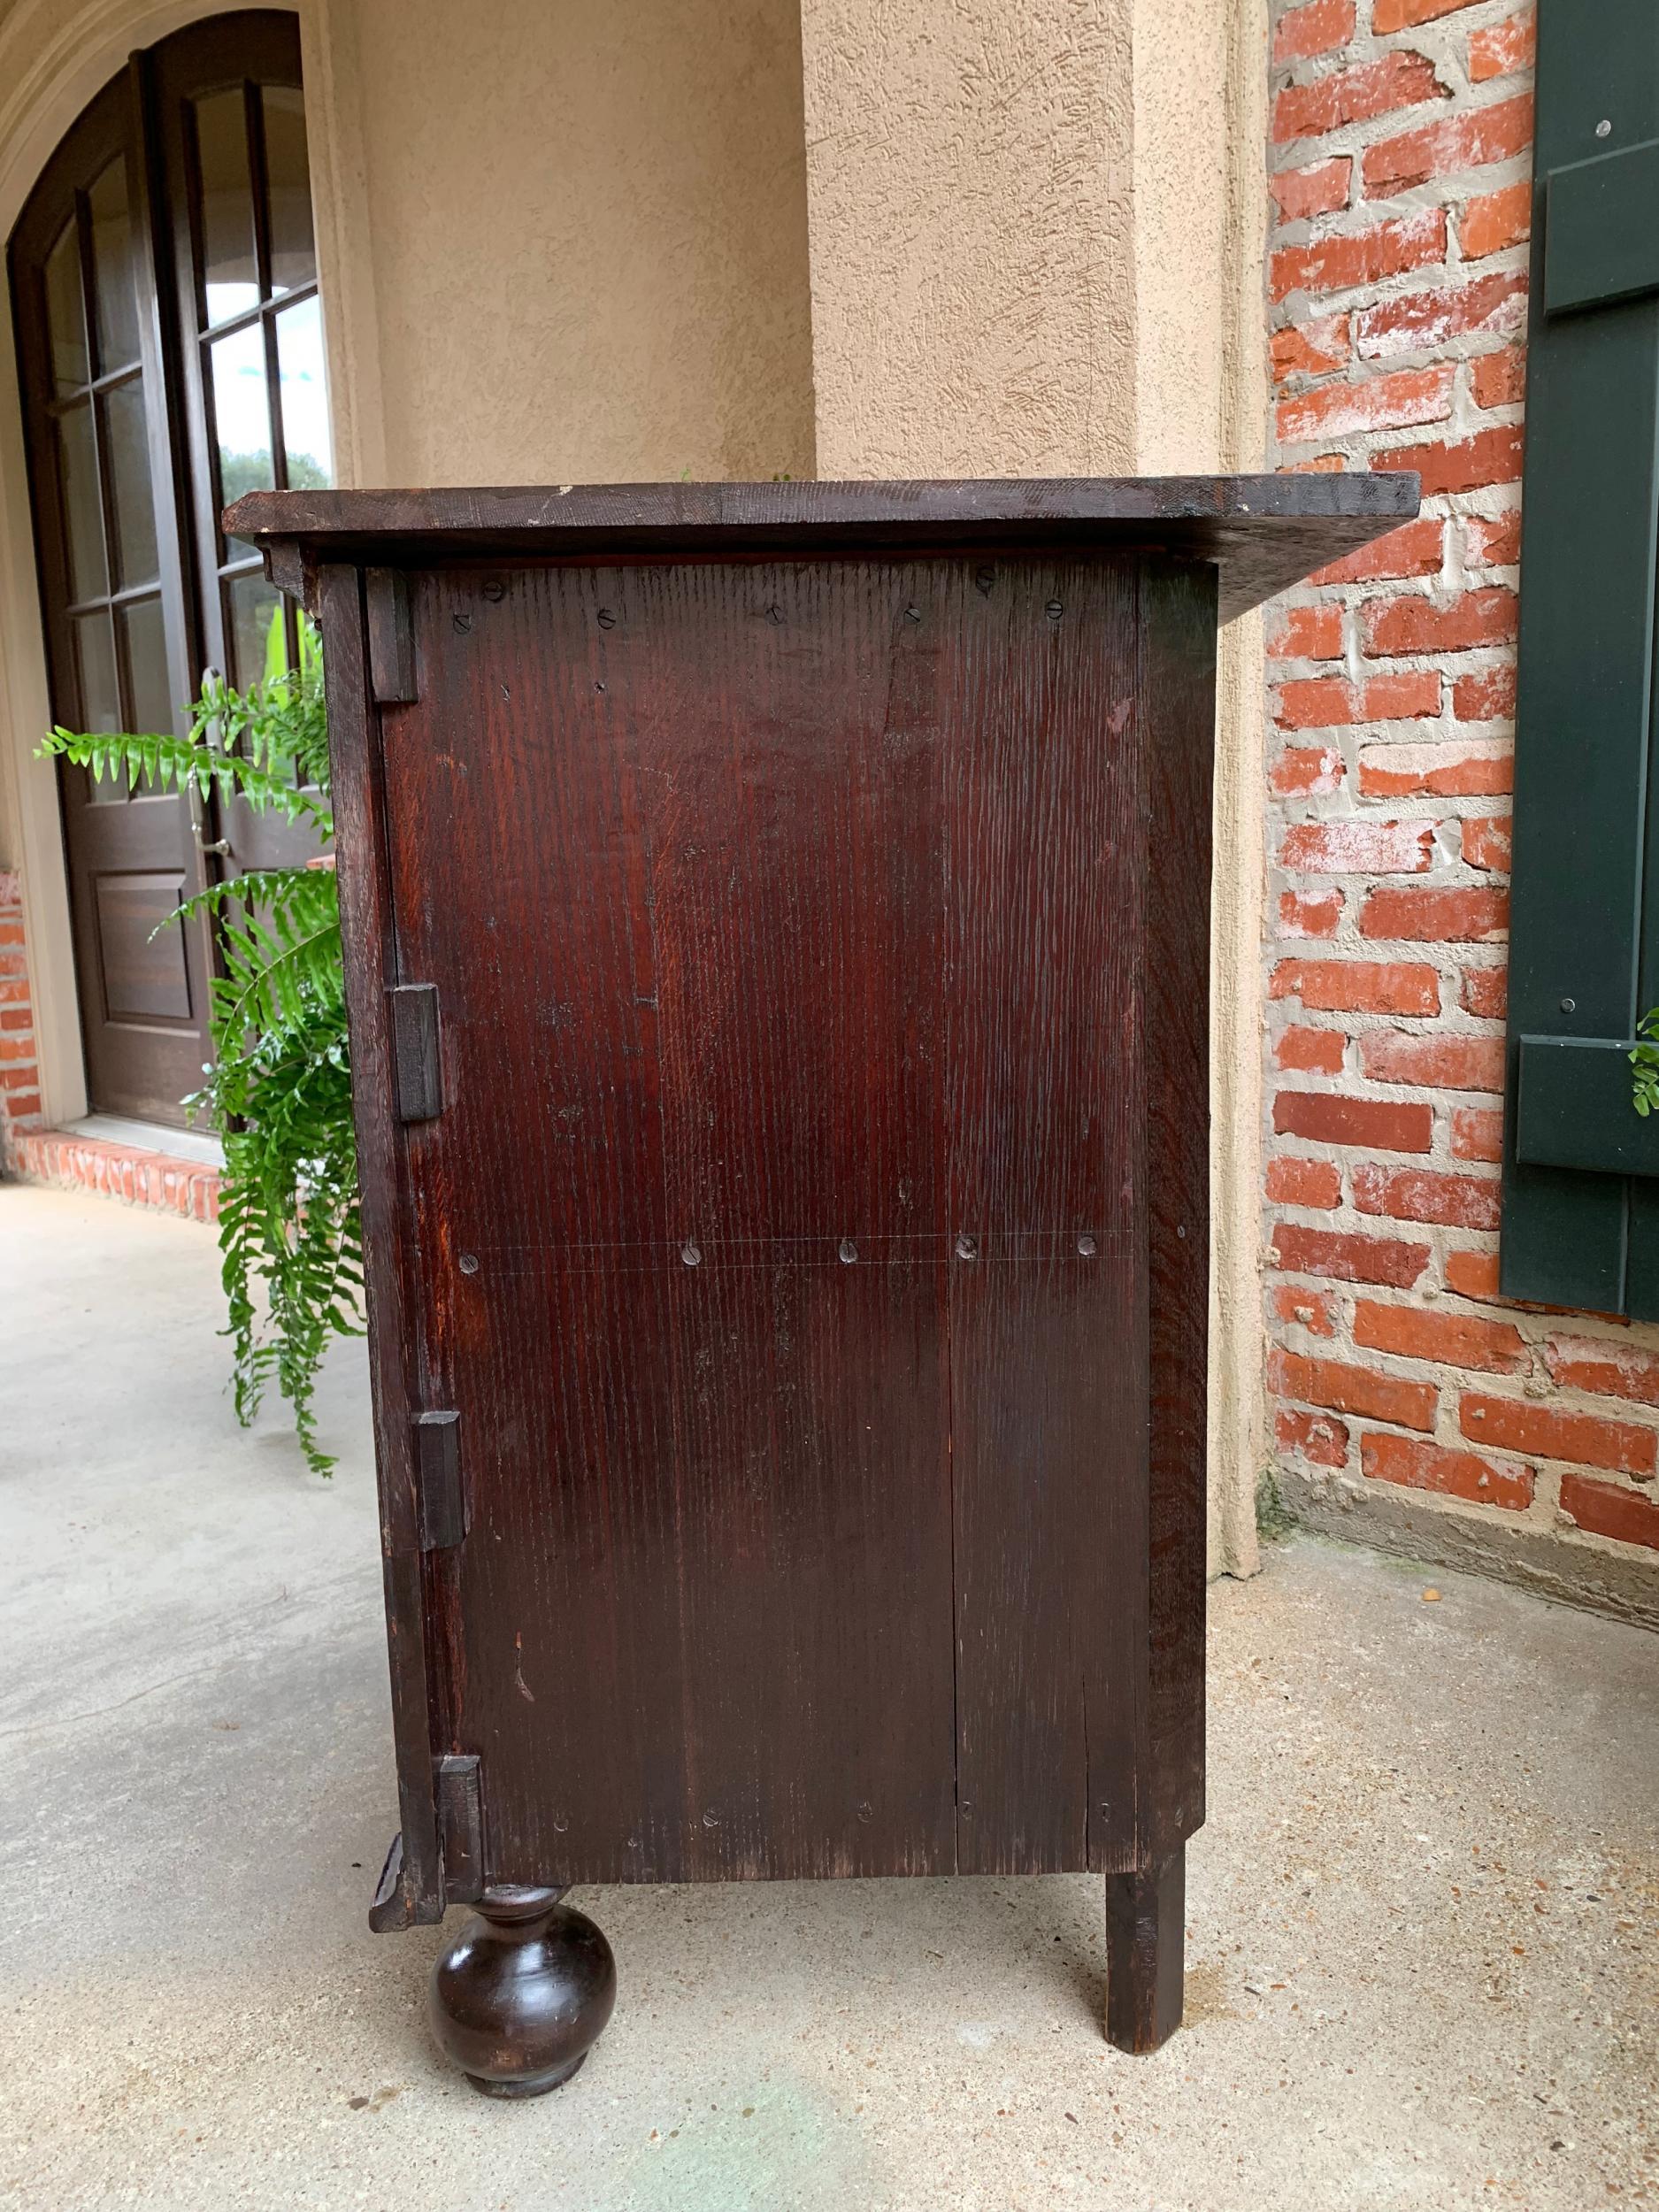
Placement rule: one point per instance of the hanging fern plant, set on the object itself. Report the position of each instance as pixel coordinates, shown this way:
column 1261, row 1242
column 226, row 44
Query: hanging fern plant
column 279, row 1089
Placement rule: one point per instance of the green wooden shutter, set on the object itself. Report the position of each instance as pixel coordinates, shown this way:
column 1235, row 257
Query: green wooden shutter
column 1581, row 1171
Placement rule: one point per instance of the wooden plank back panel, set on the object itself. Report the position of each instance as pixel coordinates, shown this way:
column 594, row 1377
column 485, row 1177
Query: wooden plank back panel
column 703, row 1622
column 784, row 1235
column 1046, row 1328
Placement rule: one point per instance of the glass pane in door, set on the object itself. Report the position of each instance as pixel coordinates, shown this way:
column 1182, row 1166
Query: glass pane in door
column 114, row 275
column 126, row 459
column 83, row 504
column 230, row 269
column 242, row 414
column 66, row 312
column 288, row 184
column 303, row 381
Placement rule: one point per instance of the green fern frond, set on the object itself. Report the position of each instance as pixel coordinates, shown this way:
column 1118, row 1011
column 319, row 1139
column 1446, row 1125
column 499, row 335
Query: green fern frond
column 280, row 1088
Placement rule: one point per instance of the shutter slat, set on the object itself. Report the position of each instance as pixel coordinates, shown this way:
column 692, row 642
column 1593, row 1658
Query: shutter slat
column 1584, row 728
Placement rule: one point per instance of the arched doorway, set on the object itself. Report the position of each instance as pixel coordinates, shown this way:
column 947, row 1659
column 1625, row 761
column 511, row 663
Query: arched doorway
column 169, row 356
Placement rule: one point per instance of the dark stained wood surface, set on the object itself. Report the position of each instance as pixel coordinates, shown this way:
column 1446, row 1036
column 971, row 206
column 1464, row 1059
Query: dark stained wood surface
column 792, row 1226
column 1264, row 532
column 783, row 1242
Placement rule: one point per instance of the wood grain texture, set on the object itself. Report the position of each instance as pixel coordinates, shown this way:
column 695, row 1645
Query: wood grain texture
column 389, row 1257
column 1264, row 532
column 811, row 1244
column 784, row 1244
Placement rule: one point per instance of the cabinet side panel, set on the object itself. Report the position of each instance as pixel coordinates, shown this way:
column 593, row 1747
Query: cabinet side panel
column 370, row 969
column 1177, row 690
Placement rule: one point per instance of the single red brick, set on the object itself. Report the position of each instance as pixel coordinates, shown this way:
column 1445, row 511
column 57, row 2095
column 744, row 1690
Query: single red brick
column 1499, row 380
column 1492, row 541
column 1449, row 770
column 1606, row 1370
column 1394, row 401
column 1316, row 703
column 1349, row 1389
column 1359, row 256
column 1422, row 1193
column 1307, row 634
column 1417, row 549
column 23, row 1106
column 1310, row 913
column 1302, row 768
column 1417, row 915
column 1493, row 221
column 1358, row 987
column 1604, row 1509
column 1378, row 1123
column 1319, row 189
column 1315, row 1311
column 1465, row 465
column 1502, row 49
column 1517, row 1425
column 1477, row 1133
column 1403, row 15
column 1310, row 1051
column 1404, row 694
column 1488, row 695
column 1414, row 624
column 1348, row 1257
column 1291, row 1182
column 1485, row 991
column 1421, row 1466
column 1418, row 320
column 1399, row 80
column 1352, row 847
column 1448, row 1064
column 1469, row 141
column 1315, row 28
column 1486, row 838
column 1310, row 349
column 1320, row 1437
column 1452, row 1339
column 1472, row 1274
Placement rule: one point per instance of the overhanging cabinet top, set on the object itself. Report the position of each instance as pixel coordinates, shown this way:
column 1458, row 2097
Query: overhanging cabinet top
column 1263, row 533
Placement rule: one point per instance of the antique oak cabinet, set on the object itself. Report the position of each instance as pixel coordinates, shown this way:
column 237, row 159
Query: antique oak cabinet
column 776, row 926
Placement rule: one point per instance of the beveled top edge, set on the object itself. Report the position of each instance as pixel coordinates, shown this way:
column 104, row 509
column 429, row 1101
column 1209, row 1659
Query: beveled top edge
column 954, row 504
column 1262, row 533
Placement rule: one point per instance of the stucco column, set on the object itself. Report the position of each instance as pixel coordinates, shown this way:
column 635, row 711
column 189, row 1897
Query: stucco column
column 1034, row 242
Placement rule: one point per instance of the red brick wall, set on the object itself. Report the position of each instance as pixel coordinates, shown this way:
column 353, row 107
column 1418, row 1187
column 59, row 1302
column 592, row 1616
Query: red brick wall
column 1407, row 1398
column 20, row 1072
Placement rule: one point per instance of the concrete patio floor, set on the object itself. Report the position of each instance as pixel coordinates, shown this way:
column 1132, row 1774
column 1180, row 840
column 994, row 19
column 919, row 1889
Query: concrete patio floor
column 1422, row 1959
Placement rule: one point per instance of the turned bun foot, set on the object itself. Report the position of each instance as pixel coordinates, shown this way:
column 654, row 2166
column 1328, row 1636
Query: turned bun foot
column 521, row 1996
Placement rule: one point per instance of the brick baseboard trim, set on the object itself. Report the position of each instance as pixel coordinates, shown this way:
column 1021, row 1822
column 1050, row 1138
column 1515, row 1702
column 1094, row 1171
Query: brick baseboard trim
column 129, row 1172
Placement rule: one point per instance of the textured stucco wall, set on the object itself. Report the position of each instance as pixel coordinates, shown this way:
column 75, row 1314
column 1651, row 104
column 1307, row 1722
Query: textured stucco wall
column 972, row 266
column 579, row 235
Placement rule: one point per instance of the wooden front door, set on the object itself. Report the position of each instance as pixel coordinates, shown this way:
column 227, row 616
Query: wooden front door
column 170, row 351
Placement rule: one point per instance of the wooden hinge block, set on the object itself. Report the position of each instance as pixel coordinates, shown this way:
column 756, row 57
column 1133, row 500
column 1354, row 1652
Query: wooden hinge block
column 461, row 1828
column 416, row 1070
column 440, row 1486
column 391, row 636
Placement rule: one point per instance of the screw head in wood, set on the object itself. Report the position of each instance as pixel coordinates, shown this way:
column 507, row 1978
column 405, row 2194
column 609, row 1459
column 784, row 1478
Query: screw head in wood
column 849, row 1251
column 967, row 1247
column 1054, row 609
column 606, row 618
column 1087, row 1245
column 469, row 1263
column 690, row 1254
